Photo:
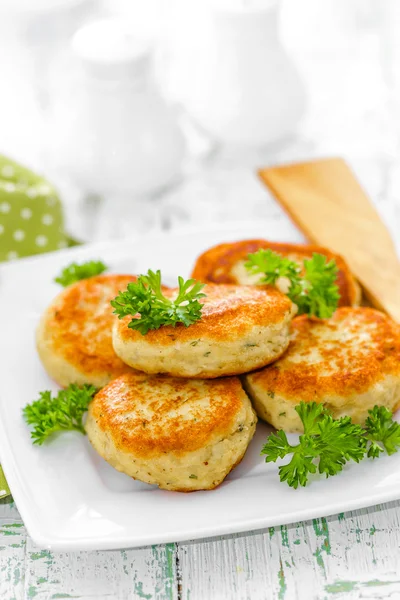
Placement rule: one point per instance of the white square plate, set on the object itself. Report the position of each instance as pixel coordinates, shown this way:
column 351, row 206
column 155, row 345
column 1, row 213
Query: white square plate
column 70, row 498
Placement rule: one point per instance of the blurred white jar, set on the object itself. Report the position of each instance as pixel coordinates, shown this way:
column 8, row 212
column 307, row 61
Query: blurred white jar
column 111, row 130
column 231, row 73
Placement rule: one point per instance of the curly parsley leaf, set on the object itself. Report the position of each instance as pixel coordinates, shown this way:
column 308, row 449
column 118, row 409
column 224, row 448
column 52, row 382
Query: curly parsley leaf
column 272, row 266
column 301, row 465
column 313, row 290
column 296, row 472
column 75, row 272
column 337, row 442
column 63, row 412
column 382, row 433
column 326, row 445
column 277, row 447
column 146, row 299
column 311, row 414
column 319, row 295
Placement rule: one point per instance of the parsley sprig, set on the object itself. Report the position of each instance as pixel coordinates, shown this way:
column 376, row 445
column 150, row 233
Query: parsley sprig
column 312, row 288
column 75, row 272
column 328, row 444
column 63, row 412
column 382, row 433
column 145, row 298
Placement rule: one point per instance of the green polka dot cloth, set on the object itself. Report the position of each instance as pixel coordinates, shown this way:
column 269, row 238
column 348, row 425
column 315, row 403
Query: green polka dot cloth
column 31, row 217
column 31, row 222
column 4, row 489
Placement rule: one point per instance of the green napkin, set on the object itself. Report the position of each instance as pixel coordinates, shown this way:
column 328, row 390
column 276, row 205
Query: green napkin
column 31, row 222
column 4, row 489
column 31, row 218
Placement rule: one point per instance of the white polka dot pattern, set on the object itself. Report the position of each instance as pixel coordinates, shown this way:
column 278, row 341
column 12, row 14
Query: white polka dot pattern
column 31, row 192
column 7, row 171
column 31, row 219
column 41, row 240
column 47, row 219
column 26, row 213
column 44, row 189
column 18, row 235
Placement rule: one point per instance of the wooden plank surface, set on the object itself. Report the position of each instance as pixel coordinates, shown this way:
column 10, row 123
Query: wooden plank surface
column 28, row 572
column 348, row 556
column 353, row 555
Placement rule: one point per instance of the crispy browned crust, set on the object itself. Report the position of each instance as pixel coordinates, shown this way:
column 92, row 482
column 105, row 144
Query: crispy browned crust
column 142, row 412
column 79, row 322
column 215, row 265
column 229, row 312
column 356, row 366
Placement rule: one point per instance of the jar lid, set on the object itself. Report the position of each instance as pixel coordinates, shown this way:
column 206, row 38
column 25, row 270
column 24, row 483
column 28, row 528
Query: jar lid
column 111, row 48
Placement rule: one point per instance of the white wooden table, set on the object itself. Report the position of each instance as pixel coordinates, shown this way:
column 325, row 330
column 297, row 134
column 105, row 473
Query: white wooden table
column 352, row 555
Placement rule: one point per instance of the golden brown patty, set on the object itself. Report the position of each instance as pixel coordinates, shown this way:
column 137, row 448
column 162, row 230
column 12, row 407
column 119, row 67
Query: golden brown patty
column 74, row 334
column 225, row 264
column 241, row 328
column 349, row 363
column 182, row 435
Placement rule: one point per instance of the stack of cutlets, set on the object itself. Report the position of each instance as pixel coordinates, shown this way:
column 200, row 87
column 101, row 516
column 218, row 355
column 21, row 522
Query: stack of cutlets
column 179, row 404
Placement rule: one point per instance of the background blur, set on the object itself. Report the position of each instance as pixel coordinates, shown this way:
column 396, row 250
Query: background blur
column 322, row 76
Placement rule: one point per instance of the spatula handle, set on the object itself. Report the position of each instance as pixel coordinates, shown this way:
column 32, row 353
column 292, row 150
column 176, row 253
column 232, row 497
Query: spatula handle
column 327, row 203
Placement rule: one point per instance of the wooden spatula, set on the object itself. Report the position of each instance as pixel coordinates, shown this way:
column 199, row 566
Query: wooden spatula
column 327, row 203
